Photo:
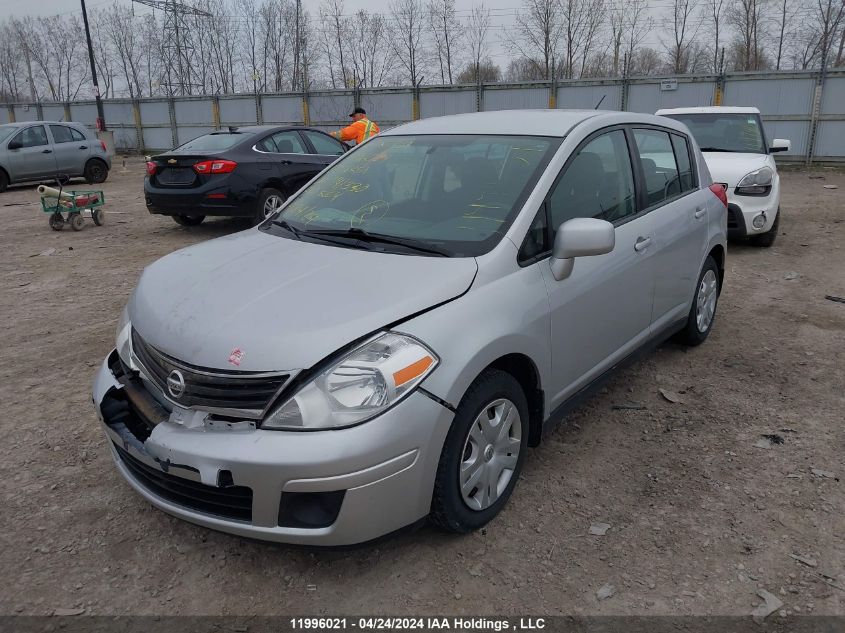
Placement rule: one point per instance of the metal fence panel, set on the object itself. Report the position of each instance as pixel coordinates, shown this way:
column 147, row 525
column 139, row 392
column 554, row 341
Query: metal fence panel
column 771, row 96
column 649, row 98
column 830, row 139
column 798, row 132
column 26, row 113
column 833, row 97
column 443, row 102
column 237, row 110
column 185, row 133
column 53, row 112
column 85, row 113
column 117, row 112
column 155, row 112
column 281, row 109
column 515, row 99
column 125, row 139
column 390, row 107
column 193, row 111
column 331, row 109
column 157, row 138
column 586, row 97
column 4, row 114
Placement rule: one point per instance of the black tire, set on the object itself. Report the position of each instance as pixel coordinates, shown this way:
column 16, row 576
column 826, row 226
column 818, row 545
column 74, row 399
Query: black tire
column 448, row 508
column 4, row 181
column 57, row 222
column 77, row 222
column 96, row 171
column 188, row 220
column 693, row 334
column 768, row 238
column 99, row 217
column 265, row 198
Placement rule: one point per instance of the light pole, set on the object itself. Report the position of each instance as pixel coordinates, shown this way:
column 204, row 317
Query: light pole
column 101, row 117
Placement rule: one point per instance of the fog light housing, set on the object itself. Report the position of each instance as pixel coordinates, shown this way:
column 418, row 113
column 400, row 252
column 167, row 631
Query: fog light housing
column 759, row 221
column 310, row 510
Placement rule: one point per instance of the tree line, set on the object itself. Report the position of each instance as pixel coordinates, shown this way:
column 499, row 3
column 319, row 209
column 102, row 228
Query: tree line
column 229, row 46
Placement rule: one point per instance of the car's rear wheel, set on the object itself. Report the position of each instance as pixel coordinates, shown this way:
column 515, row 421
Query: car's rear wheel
column 768, row 238
column 269, row 202
column 702, row 314
column 96, row 171
column 188, row 220
column 483, row 453
column 4, row 181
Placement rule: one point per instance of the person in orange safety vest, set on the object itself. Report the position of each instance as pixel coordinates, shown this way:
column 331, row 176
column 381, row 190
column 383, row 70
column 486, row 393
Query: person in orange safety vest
column 360, row 130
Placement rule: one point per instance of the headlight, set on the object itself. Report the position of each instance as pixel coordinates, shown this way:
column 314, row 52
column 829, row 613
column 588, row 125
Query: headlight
column 757, row 183
column 369, row 380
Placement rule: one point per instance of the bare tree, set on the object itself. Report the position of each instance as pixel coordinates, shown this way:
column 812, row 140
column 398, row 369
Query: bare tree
column 826, row 18
column 477, row 33
column 445, row 27
column 580, row 22
column 536, row 37
column 333, row 40
column 371, row 63
column 747, row 18
column 120, row 30
column 681, row 30
column 713, row 14
column 485, row 71
column 407, row 37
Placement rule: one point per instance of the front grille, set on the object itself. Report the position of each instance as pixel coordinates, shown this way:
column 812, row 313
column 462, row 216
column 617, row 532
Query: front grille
column 176, row 176
column 216, row 390
column 233, row 502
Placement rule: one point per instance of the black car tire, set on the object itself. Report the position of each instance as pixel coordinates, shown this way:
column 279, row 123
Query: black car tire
column 265, row 198
column 692, row 334
column 768, row 238
column 4, row 181
column 448, row 508
column 96, row 171
column 188, row 220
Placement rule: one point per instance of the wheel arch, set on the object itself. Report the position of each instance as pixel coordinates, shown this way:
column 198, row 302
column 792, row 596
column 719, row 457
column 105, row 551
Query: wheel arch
column 718, row 255
column 523, row 369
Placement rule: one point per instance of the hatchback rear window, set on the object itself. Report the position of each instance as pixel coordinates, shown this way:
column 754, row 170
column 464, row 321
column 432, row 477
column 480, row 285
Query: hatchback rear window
column 213, row 142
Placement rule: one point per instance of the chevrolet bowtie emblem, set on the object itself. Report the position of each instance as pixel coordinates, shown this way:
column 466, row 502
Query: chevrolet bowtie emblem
column 172, row 161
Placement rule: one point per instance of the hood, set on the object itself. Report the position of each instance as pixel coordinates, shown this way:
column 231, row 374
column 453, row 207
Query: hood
column 730, row 167
column 283, row 303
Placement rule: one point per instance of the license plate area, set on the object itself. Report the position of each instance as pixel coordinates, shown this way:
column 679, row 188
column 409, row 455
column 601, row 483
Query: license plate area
column 176, row 176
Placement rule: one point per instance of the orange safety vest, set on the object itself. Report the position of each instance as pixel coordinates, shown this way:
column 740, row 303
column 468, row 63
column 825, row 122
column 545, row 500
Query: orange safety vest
column 359, row 131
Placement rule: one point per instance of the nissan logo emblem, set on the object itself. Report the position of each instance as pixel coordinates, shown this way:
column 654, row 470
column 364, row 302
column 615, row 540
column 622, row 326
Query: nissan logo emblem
column 176, row 383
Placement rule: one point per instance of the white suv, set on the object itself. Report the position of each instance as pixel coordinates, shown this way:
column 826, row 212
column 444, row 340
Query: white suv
column 734, row 147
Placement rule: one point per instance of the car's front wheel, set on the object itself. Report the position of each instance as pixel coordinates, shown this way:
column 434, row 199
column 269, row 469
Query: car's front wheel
column 768, row 238
column 483, row 453
column 4, row 181
column 188, row 220
column 269, row 202
column 703, row 310
column 96, row 171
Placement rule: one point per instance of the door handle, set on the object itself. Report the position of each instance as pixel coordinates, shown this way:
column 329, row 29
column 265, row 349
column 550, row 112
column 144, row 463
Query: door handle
column 83, row 147
column 699, row 212
column 46, row 151
column 286, row 162
column 642, row 243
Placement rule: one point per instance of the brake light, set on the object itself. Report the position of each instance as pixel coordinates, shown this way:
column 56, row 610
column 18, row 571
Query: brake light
column 720, row 192
column 103, row 145
column 215, row 166
column 151, row 168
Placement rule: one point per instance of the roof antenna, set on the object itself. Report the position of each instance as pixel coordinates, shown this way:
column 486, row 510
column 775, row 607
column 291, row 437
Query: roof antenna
column 233, row 129
column 600, row 100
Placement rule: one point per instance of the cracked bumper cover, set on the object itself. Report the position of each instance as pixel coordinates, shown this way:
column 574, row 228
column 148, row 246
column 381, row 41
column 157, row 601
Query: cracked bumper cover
column 386, row 466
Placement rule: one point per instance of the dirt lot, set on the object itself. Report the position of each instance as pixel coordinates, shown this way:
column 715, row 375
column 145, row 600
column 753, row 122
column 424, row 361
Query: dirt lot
column 700, row 516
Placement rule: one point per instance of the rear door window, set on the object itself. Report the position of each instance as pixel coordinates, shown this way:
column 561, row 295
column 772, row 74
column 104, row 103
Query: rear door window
column 660, row 170
column 61, row 134
column 324, row 144
column 288, row 142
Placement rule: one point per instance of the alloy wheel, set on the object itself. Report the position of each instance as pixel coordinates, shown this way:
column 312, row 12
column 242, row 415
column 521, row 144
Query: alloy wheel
column 705, row 301
column 272, row 205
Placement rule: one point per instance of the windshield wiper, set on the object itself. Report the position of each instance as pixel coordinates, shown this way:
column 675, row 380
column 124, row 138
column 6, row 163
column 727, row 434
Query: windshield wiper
column 284, row 224
column 365, row 236
column 720, row 149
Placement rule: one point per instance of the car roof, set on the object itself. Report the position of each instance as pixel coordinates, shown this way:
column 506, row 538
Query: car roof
column 20, row 123
column 709, row 110
column 258, row 129
column 554, row 123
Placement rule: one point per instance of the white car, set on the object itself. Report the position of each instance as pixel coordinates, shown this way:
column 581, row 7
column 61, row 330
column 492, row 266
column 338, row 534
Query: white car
column 735, row 149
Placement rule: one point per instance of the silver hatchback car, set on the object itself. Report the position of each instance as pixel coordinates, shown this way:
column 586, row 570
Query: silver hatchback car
column 45, row 150
column 389, row 345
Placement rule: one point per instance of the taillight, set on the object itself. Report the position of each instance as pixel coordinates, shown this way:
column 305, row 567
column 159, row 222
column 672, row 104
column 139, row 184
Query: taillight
column 151, row 168
column 103, row 145
column 215, row 166
column 720, row 192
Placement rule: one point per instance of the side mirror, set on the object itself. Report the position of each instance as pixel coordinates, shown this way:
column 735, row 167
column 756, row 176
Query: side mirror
column 580, row 237
column 15, row 145
column 780, row 145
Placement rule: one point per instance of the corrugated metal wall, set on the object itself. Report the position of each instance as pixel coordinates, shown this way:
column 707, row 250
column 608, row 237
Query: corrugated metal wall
column 786, row 101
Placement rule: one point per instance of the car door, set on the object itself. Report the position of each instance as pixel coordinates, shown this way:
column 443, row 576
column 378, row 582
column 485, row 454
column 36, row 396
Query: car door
column 291, row 158
column 679, row 211
column 71, row 149
column 31, row 154
column 324, row 146
column 602, row 311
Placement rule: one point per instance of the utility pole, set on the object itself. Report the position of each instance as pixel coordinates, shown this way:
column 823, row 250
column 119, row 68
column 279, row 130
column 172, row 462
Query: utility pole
column 101, row 117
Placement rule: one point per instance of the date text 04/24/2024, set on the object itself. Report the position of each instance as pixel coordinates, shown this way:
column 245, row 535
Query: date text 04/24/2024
column 432, row 623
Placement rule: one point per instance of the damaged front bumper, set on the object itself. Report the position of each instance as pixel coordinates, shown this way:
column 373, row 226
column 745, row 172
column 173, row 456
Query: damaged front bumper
column 334, row 487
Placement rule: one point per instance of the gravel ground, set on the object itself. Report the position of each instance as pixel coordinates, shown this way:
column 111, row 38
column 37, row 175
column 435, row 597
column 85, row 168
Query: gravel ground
column 701, row 515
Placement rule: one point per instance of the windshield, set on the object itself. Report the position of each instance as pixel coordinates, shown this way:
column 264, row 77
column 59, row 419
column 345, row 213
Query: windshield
column 457, row 193
column 212, row 142
column 6, row 131
column 724, row 132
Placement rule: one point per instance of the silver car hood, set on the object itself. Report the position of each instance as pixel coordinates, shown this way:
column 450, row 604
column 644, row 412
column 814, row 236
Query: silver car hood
column 284, row 304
